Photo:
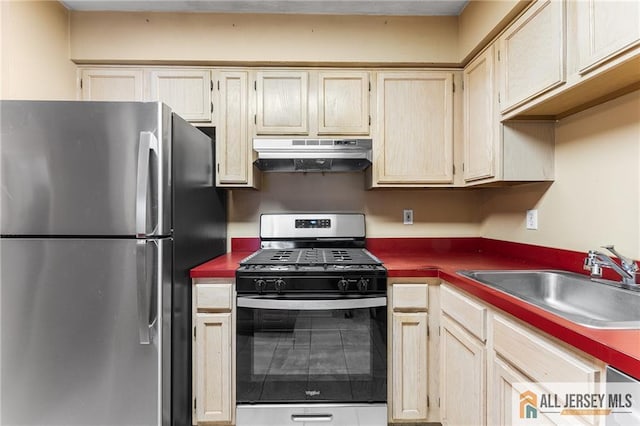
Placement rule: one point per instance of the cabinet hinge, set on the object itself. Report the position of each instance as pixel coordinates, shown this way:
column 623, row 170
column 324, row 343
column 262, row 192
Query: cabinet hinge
column 212, row 107
column 454, row 169
column 369, row 120
column 498, row 55
column 194, row 332
column 212, row 85
column 498, row 97
column 81, row 83
column 255, row 85
column 454, row 87
column 218, row 85
column 428, row 334
column 369, row 86
column 462, row 85
column 438, row 402
column 218, row 171
column 195, row 403
column 463, row 167
column 427, row 401
column 439, row 335
column 255, row 119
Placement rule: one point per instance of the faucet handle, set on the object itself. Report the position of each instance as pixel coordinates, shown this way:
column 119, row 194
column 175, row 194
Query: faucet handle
column 628, row 264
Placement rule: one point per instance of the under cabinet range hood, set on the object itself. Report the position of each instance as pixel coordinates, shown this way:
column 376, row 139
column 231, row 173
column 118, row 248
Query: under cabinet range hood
column 312, row 155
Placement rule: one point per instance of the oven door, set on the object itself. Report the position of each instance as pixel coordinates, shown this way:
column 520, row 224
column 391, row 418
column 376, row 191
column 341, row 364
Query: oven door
column 311, row 349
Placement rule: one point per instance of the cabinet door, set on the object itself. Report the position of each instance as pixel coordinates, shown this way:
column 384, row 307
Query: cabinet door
column 214, row 386
column 462, row 380
column 187, row 92
column 232, row 140
column 343, row 103
column 414, row 142
column 282, row 103
column 510, row 387
column 532, row 54
column 604, row 29
column 409, row 366
column 480, row 136
column 111, row 84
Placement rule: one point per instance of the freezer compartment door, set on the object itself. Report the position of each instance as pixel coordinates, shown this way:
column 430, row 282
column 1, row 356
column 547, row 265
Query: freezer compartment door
column 85, row 168
column 84, row 338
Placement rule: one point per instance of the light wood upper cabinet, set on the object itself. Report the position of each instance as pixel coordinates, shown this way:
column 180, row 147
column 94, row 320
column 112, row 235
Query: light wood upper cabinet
column 532, row 54
column 111, row 84
column 343, row 103
column 186, row 91
column 605, row 29
column 282, row 103
column 512, row 151
column 413, row 142
column 480, row 120
column 233, row 145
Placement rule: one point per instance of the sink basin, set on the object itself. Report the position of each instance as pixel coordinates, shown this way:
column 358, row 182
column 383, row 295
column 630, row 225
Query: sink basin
column 591, row 303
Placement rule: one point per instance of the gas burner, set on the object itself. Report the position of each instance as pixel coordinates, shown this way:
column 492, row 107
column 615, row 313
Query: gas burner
column 281, row 256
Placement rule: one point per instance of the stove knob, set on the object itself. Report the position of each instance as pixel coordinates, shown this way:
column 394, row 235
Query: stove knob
column 343, row 285
column 363, row 285
column 279, row 285
column 260, row 285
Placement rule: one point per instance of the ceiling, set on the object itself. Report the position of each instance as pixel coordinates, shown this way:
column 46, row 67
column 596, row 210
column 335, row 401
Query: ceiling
column 335, row 7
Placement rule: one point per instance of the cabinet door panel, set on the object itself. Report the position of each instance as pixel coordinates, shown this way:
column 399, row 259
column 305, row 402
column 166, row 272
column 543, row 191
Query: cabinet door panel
column 415, row 128
column 532, row 54
column 409, row 369
column 282, row 103
column 214, row 368
column 605, row 28
column 109, row 84
column 480, row 136
column 187, row 92
column 462, row 383
column 343, row 103
column 232, row 141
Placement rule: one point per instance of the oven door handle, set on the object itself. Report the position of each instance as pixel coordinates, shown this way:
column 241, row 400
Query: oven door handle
column 311, row 305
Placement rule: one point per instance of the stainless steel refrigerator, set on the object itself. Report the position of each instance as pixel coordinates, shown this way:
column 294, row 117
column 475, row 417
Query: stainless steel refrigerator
column 104, row 208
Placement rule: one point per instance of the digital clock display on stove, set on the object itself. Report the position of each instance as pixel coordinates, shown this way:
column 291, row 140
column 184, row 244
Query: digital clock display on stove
column 313, row 223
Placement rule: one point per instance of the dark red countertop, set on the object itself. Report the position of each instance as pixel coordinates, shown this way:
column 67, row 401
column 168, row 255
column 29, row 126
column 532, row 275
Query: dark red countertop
column 442, row 257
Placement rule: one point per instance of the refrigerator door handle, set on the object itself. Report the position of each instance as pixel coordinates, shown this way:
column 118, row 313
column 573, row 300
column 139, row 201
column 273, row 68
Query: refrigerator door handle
column 147, row 143
column 145, row 302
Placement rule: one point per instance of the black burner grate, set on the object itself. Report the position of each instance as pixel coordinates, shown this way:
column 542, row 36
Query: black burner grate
column 311, row 256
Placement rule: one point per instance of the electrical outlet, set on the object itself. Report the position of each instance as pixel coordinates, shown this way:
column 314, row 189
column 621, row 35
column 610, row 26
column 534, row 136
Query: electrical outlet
column 407, row 216
column 532, row 219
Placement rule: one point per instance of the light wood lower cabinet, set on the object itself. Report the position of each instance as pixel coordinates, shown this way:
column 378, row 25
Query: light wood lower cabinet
column 413, row 353
column 490, row 359
column 213, row 353
column 462, row 375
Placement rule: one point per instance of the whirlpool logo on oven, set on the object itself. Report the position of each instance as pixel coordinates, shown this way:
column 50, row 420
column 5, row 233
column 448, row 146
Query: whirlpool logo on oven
column 312, row 392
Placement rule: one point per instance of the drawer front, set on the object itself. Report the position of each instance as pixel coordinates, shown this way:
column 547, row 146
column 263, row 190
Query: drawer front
column 467, row 312
column 410, row 297
column 538, row 357
column 214, row 297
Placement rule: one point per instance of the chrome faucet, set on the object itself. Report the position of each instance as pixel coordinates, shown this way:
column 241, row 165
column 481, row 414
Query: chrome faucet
column 595, row 261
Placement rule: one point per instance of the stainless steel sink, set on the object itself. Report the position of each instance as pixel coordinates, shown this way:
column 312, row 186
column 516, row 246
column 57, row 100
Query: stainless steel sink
column 588, row 302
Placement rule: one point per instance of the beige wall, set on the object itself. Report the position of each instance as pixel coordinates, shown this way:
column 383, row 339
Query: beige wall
column 250, row 38
column 595, row 199
column 34, row 60
column 437, row 213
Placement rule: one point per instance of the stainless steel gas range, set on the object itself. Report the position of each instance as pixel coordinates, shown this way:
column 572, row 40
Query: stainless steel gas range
column 311, row 325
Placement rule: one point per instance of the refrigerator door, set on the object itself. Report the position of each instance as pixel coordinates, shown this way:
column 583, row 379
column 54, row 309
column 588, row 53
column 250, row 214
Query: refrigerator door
column 84, row 337
column 85, row 168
